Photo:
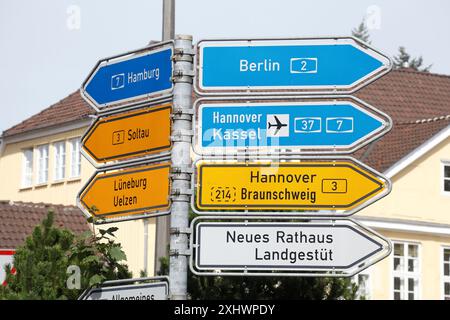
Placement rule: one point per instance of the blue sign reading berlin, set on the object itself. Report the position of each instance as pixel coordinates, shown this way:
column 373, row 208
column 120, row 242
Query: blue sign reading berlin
column 304, row 64
column 132, row 76
column 335, row 125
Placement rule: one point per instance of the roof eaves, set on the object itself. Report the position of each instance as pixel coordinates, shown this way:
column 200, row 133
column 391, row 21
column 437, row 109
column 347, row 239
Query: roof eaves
column 430, row 74
column 405, row 225
column 418, row 152
column 46, row 130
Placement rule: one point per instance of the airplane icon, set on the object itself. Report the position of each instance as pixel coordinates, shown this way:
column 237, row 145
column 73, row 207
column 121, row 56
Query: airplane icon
column 277, row 125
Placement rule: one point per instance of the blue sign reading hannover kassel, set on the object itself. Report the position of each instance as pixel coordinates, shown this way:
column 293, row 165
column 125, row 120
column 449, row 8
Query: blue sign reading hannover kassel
column 302, row 64
column 130, row 76
column 335, row 126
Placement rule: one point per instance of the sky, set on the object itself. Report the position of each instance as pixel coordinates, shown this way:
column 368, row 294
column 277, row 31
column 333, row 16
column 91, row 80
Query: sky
column 48, row 47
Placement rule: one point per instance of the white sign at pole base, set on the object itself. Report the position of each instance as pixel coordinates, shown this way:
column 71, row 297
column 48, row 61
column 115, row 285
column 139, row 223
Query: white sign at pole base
column 143, row 291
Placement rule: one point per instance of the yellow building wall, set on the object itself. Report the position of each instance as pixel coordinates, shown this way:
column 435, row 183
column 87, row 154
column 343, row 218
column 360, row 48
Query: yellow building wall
column 131, row 236
column 416, row 196
column 62, row 192
column 130, row 233
column 430, row 266
column 417, row 191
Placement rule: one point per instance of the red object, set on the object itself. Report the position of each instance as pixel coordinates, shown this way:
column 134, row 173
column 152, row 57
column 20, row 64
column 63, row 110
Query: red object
column 13, row 270
column 7, row 252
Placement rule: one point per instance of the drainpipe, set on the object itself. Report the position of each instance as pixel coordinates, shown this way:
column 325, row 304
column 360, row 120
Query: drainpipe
column 146, row 247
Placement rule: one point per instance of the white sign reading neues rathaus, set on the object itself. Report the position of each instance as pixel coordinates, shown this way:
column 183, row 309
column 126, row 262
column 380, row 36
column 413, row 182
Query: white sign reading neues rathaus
column 343, row 246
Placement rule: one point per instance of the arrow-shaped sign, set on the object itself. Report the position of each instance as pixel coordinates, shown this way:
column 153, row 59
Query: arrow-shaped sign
column 145, row 291
column 341, row 246
column 140, row 74
column 130, row 134
column 339, row 187
column 298, row 65
column 305, row 126
column 135, row 192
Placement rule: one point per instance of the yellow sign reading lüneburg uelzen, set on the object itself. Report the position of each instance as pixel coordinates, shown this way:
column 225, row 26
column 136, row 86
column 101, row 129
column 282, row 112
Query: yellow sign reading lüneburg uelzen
column 128, row 192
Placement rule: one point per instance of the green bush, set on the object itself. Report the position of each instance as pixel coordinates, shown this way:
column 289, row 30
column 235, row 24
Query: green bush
column 43, row 261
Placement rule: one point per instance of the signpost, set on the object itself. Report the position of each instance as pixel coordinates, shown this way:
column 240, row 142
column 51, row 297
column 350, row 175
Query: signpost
column 287, row 66
column 126, row 194
column 136, row 132
column 132, row 93
column 325, row 188
column 140, row 74
column 130, row 134
column 320, row 247
column 130, row 289
column 302, row 126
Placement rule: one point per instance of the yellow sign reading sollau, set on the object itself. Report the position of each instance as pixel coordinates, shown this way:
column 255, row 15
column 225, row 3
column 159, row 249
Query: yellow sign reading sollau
column 130, row 134
column 128, row 192
column 306, row 185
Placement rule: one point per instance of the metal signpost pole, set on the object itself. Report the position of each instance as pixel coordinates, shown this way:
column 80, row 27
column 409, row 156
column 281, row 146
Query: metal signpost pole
column 168, row 30
column 162, row 223
column 181, row 166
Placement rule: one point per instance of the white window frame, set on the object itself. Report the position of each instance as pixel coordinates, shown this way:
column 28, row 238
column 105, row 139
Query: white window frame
column 72, row 142
column 444, row 278
column 38, row 163
column 368, row 273
column 444, row 163
column 24, row 182
column 404, row 273
column 57, row 163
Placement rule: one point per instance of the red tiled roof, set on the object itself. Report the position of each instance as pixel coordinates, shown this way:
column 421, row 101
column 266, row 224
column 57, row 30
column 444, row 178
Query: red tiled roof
column 408, row 95
column 419, row 105
column 69, row 109
column 398, row 143
column 18, row 220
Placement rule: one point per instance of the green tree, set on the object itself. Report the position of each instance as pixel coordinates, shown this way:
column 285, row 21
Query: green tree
column 264, row 288
column 42, row 263
column 270, row 288
column 401, row 60
column 404, row 60
column 361, row 32
column 99, row 258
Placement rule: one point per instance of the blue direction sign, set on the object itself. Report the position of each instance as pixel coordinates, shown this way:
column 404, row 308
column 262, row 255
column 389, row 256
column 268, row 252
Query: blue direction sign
column 340, row 125
column 139, row 74
column 300, row 65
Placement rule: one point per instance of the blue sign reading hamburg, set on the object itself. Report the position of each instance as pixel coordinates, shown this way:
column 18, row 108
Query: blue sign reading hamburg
column 132, row 77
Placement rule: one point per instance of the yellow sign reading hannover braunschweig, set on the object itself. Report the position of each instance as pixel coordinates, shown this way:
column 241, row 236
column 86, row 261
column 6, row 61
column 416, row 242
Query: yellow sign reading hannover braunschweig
column 300, row 185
